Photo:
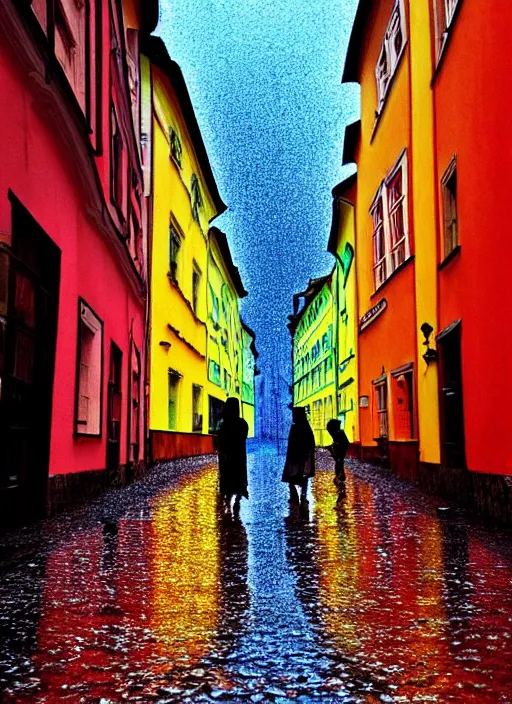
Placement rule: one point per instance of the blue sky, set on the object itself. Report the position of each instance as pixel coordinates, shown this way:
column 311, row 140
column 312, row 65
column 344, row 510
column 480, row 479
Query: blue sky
column 264, row 77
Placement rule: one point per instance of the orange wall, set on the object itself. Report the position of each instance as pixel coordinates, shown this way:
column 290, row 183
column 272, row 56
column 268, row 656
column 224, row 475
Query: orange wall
column 390, row 340
column 473, row 122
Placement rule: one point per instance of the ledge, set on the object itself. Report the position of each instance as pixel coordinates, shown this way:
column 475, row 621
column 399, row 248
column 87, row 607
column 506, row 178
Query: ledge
column 450, row 257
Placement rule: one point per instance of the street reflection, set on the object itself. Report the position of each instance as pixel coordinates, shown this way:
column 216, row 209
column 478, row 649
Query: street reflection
column 169, row 598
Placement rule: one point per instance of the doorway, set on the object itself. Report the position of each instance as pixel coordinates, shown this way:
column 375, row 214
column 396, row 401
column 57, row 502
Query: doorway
column 29, row 281
column 451, row 397
column 114, row 408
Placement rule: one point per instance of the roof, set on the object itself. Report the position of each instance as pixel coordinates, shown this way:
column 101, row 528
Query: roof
column 312, row 289
column 351, row 69
column 352, row 137
column 337, row 193
column 251, row 332
column 156, row 51
column 222, row 242
column 150, row 15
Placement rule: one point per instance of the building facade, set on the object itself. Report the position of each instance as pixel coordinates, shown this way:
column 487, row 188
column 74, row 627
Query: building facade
column 249, row 373
column 313, row 355
column 73, row 265
column 185, row 199
column 344, row 309
column 432, row 351
column 224, row 328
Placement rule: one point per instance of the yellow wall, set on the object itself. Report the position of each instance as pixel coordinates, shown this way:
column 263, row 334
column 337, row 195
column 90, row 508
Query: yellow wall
column 306, row 336
column 424, row 220
column 345, row 322
column 226, row 328
column 171, row 304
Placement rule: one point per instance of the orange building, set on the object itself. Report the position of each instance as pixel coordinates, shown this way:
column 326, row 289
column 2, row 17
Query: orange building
column 378, row 58
column 431, row 222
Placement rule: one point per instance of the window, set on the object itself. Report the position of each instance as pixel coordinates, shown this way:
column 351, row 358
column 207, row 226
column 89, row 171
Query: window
column 197, row 405
column 391, row 242
column 216, row 409
column 117, row 186
column 391, row 52
column 89, row 373
column 114, row 396
column 444, row 16
column 196, row 285
column 174, row 249
column 70, row 43
column 449, row 190
column 134, row 407
column 214, row 372
column 403, row 405
column 380, row 408
column 175, row 146
column 174, row 379
column 195, row 194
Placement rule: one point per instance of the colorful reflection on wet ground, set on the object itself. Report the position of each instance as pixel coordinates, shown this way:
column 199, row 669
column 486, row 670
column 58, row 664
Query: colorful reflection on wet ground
column 153, row 593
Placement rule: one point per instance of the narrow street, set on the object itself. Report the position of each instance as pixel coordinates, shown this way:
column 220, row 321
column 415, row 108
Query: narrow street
column 153, row 594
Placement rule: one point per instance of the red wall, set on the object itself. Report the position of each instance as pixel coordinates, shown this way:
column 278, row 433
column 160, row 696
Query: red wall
column 473, row 104
column 41, row 175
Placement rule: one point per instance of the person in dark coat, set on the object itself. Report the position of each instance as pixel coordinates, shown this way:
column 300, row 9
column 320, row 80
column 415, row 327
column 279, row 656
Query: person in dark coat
column 300, row 456
column 338, row 450
column 231, row 447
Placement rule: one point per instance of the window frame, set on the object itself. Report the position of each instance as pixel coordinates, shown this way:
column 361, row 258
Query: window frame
column 447, row 194
column 196, row 426
column 175, row 147
column 196, row 272
column 388, row 50
column 196, row 198
column 385, row 266
column 380, row 415
column 77, row 432
column 173, row 373
column 175, row 234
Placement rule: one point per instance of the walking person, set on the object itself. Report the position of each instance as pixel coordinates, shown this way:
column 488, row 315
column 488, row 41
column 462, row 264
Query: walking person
column 300, row 456
column 231, row 447
column 338, row 450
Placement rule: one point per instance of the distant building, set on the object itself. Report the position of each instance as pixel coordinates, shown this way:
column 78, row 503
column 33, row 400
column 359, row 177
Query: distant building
column 250, row 371
column 224, row 346
column 313, row 358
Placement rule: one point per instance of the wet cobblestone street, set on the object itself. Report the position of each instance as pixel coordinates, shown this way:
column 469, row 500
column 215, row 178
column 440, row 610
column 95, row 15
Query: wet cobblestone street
column 152, row 593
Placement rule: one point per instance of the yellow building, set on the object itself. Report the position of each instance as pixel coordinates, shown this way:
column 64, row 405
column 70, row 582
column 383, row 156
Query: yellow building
column 345, row 319
column 249, row 357
column 185, row 200
column 313, row 355
column 224, row 348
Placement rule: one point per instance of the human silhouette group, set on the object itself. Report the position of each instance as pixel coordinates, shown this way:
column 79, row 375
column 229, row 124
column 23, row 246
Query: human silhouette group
column 299, row 465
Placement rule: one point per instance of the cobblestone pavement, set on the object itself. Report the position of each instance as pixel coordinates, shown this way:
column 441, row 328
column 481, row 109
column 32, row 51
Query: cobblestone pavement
column 153, row 594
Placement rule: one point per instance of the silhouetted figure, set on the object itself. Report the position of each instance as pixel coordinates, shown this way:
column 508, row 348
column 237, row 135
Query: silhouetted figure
column 300, row 456
column 338, row 450
column 231, row 447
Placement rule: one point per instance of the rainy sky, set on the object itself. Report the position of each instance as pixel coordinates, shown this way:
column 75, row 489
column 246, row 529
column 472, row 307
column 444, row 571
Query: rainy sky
column 264, row 77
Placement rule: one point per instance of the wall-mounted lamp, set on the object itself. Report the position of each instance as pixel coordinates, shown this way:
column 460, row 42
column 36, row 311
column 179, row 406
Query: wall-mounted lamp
column 165, row 345
column 430, row 353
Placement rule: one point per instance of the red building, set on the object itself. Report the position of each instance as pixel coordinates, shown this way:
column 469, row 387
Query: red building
column 73, row 228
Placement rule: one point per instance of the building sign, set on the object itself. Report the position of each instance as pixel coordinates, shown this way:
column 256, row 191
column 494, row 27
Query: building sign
column 364, row 401
column 372, row 314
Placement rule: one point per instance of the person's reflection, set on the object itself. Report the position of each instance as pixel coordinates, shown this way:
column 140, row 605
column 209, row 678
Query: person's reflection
column 301, row 540
column 109, row 567
column 458, row 590
column 233, row 569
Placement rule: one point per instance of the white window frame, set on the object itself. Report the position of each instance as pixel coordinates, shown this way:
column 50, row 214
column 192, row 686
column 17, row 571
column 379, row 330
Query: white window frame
column 388, row 50
column 89, row 389
column 386, row 265
column 449, row 11
column 449, row 203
